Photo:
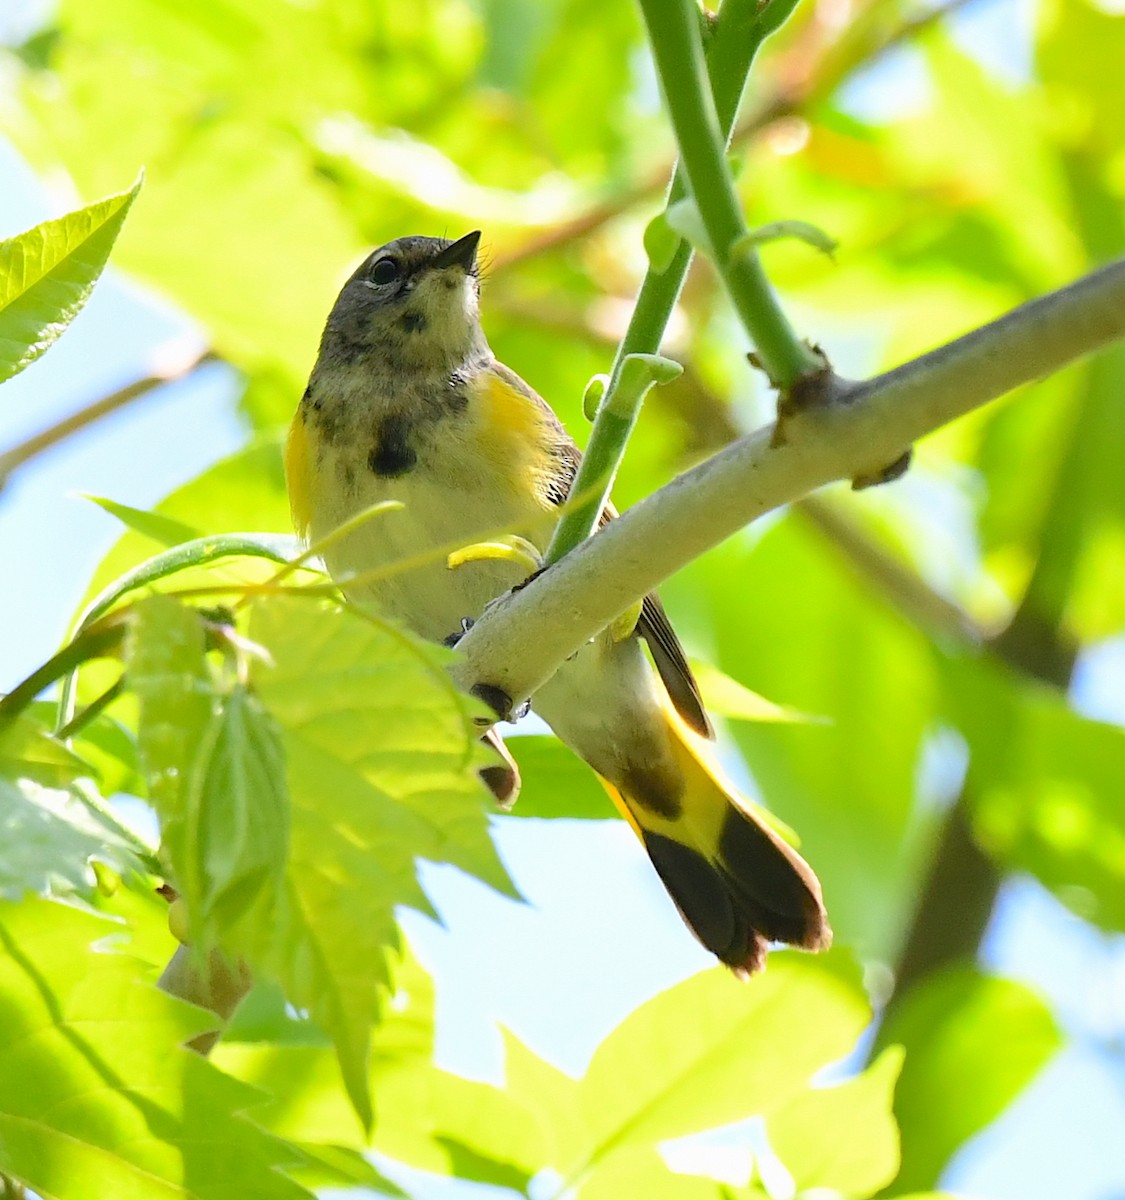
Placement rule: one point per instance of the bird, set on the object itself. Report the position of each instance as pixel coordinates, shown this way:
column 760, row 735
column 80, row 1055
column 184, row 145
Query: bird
column 407, row 402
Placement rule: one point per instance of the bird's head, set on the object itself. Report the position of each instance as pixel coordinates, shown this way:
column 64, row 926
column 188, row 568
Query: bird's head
column 413, row 303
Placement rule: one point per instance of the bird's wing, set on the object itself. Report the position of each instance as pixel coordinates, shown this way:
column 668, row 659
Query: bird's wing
column 653, row 625
column 672, row 664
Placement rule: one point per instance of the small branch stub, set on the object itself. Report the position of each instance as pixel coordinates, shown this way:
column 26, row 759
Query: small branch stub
column 640, row 373
column 817, row 388
column 888, row 474
column 801, row 231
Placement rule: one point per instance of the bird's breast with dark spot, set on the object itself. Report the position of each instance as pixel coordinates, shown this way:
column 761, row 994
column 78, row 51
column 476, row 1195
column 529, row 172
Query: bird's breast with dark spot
column 392, row 453
column 327, row 422
column 413, row 322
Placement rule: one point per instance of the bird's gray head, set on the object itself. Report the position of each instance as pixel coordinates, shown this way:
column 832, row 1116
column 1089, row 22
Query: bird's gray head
column 412, row 304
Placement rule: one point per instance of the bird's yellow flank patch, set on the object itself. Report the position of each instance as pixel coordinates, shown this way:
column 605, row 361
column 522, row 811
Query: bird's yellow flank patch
column 513, row 428
column 299, row 475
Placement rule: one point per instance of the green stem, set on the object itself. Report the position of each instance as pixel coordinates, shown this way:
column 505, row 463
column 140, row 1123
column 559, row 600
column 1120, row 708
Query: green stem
column 10, row 1189
column 741, row 28
column 96, row 641
column 620, row 408
column 95, row 708
column 674, row 34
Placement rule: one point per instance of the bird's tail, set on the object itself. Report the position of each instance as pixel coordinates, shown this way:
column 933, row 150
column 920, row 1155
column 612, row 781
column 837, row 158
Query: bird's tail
column 737, row 884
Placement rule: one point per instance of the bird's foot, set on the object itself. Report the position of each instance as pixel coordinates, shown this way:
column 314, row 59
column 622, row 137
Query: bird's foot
column 454, row 638
column 500, row 702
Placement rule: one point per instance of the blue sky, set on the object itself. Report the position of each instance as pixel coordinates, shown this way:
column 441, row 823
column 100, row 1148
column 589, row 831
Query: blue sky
column 1062, row 1139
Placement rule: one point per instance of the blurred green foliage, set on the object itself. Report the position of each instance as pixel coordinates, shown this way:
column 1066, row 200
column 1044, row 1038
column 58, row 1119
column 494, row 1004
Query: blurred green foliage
column 280, row 141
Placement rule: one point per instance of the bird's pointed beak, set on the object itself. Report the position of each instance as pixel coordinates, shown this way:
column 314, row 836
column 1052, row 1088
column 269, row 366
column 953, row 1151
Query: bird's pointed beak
column 461, row 253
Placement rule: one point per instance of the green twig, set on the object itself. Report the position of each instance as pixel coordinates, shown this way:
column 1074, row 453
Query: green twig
column 741, row 28
column 619, row 410
column 678, row 50
column 94, row 709
column 99, row 640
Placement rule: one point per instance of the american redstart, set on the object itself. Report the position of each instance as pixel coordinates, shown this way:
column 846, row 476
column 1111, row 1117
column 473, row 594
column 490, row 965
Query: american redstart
column 407, row 402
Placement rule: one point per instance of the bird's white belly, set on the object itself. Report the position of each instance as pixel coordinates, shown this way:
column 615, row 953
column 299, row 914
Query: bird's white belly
column 410, row 547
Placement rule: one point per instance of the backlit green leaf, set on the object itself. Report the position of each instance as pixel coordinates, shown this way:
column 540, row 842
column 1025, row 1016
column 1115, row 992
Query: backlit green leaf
column 160, row 528
column 556, row 782
column 726, row 697
column 644, row 1173
column 27, row 750
column 52, row 838
column 381, row 759
column 47, row 274
column 238, row 813
column 842, row 1138
column 246, row 490
column 704, row 1053
column 98, row 1095
column 168, row 672
column 710, row 1051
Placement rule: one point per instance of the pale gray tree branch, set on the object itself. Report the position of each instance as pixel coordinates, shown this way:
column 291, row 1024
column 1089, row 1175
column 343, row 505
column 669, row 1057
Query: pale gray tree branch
column 831, row 429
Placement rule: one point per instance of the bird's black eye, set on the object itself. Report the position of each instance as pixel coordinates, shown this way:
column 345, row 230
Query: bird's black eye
column 386, row 270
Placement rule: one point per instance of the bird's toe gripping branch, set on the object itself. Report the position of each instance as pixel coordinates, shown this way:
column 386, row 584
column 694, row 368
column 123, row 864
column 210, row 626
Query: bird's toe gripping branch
column 497, row 700
column 501, row 778
column 494, row 697
column 454, row 638
column 508, row 548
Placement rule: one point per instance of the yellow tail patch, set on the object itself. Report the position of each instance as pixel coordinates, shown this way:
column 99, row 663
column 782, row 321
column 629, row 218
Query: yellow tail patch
column 736, row 883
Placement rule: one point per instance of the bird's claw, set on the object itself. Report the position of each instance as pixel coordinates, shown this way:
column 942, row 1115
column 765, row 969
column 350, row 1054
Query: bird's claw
column 454, row 638
column 496, row 699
